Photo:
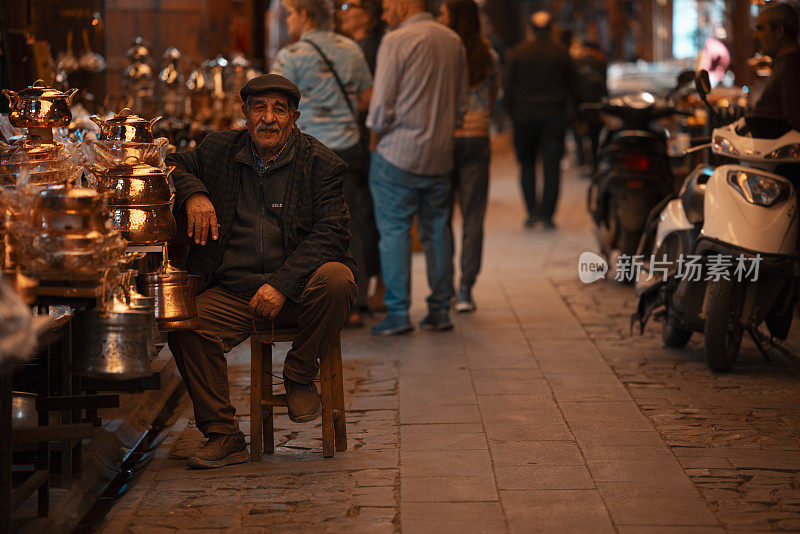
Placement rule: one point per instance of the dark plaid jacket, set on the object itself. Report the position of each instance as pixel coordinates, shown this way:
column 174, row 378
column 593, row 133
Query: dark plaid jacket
column 314, row 217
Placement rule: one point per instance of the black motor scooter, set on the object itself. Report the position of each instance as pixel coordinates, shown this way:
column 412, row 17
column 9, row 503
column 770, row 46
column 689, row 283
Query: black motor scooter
column 634, row 172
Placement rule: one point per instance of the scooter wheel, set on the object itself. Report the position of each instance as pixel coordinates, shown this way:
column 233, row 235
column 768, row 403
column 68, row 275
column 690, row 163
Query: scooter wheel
column 723, row 333
column 673, row 335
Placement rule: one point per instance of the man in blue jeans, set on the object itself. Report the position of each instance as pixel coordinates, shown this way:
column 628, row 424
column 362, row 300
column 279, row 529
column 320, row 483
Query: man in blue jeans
column 412, row 116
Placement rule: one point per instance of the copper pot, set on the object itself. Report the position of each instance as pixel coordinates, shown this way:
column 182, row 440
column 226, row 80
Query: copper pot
column 77, row 212
column 126, row 127
column 174, row 292
column 134, row 183
column 40, row 106
column 32, row 151
column 144, row 224
column 114, row 343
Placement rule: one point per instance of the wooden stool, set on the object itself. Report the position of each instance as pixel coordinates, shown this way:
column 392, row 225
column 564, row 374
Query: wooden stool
column 262, row 399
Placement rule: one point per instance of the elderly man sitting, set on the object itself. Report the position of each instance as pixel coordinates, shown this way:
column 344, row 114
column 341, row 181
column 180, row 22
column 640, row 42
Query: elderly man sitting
column 268, row 219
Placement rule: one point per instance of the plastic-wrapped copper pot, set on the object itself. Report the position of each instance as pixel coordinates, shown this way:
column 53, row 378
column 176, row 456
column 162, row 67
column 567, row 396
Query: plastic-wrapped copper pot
column 40, row 106
column 126, row 127
column 76, row 211
column 149, row 153
column 174, row 293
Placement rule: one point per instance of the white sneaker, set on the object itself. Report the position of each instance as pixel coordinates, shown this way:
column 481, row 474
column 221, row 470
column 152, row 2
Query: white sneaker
column 464, row 302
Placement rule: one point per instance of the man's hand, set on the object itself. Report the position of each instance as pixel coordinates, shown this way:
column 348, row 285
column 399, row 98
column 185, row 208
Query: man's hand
column 267, row 302
column 201, row 219
column 374, row 138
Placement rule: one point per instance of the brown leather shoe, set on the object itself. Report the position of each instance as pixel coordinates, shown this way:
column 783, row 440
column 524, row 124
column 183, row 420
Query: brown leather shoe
column 302, row 400
column 220, row 450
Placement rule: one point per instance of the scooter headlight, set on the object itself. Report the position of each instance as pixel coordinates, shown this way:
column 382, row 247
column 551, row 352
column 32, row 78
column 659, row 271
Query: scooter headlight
column 758, row 189
column 722, row 146
column 785, row 152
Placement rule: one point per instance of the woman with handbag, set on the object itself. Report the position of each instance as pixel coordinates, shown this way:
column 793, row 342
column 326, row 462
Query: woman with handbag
column 335, row 84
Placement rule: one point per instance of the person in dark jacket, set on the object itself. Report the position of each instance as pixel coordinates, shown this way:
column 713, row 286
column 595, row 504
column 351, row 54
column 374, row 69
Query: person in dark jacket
column 776, row 34
column 268, row 219
column 540, row 87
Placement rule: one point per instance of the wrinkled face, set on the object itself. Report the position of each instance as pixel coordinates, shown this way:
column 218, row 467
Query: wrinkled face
column 444, row 15
column 352, row 17
column 270, row 120
column 767, row 39
column 295, row 21
column 393, row 13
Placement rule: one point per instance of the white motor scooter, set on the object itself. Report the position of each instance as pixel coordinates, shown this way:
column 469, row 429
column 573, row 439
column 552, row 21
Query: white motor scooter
column 726, row 222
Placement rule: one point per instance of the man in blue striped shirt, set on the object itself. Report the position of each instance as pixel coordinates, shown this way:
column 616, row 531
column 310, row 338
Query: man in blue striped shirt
column 419, row 98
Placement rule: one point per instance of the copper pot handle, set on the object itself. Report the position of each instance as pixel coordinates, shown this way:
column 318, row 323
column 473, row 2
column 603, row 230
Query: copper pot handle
column 71, row 94
column 11, row 96
column 152, row 122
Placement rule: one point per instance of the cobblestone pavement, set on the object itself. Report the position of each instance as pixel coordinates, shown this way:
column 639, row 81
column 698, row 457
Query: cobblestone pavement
column 537, row 413
column 736, row 434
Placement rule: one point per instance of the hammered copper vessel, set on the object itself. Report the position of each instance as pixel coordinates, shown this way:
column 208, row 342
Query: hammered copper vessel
column 114, row 343
column 139, row 201
column 174, row 292
column 146, row 224
column 126, row 127
column 40, row 106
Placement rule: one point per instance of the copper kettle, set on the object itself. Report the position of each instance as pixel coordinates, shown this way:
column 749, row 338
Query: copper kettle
column 40, row 106
column 173, row 290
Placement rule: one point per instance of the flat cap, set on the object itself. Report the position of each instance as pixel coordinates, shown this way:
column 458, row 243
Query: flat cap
column 268, row 83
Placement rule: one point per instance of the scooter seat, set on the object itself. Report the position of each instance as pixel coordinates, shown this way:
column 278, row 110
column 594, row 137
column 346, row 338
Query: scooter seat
column 693, row 192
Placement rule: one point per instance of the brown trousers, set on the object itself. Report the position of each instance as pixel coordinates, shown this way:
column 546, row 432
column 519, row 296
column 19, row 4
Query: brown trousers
column 226, row 321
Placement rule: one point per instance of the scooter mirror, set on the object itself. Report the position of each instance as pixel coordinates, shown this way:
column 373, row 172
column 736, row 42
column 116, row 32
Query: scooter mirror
column 702, row 83
column 684, row 78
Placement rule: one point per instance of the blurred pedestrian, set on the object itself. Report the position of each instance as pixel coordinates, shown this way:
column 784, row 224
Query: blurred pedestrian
column 361, row 21
column 471, row 152
column 419, row 100
column 540, row 88
column 592, row 67
column 335, row 83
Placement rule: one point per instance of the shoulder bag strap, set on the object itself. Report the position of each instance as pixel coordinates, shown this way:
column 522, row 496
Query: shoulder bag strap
column 336, row 76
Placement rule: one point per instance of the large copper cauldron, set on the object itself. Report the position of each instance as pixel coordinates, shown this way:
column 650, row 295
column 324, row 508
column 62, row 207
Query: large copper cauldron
column 39, row 106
